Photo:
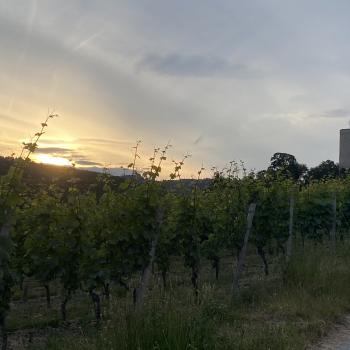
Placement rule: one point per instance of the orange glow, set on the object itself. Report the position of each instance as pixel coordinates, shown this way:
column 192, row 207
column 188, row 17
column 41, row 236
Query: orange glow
column 48, row 159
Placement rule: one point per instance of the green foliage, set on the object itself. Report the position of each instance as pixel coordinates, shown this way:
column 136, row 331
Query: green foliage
column 314, row 212
column 88, row 240
column 272, row 215
column 324, row 171
column 286, row 165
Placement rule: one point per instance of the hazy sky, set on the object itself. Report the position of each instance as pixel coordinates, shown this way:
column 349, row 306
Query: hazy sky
column 222, row 80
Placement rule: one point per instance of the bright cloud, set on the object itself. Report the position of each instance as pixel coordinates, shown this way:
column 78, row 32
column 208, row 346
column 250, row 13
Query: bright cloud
column 247, row 79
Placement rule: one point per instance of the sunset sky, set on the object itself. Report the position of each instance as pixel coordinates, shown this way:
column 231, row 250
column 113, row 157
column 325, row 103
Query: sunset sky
column 222, row 80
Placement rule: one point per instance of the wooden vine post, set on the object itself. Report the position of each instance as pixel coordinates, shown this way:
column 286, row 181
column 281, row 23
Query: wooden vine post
column 243, row 252
column 141, row 290
column 291, row 226
column 334, row 219
column 4, row 236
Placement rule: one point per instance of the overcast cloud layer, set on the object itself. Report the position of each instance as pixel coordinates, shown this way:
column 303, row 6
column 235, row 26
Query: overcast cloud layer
column 221, row 79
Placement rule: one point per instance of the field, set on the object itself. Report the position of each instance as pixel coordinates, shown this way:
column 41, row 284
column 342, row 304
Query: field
column 268, row 314
column 238, row 261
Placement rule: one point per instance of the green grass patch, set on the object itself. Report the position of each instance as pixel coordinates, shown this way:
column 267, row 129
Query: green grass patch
column 287, row 310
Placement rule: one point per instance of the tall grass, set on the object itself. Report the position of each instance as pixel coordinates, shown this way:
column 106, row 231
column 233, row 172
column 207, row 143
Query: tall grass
column 153, row 328
column 276, row 314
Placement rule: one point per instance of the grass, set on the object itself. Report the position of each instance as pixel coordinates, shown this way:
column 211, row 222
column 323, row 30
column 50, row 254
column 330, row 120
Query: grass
column 151, row 329
column 271, row 313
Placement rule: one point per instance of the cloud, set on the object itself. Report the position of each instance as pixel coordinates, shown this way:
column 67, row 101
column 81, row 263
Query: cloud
column 53, row 141
column 282, row 47
column 193, row 65
column 55, row 150
column 16, row 121
column 115, row 171
column 102, row 141
column 88, row 86
column 87, row 162
column 79, row 159
column 77, row 156
column 337, row 113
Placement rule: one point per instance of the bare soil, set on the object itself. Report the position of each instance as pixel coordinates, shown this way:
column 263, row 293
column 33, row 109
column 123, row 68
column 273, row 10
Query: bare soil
column 337, row 339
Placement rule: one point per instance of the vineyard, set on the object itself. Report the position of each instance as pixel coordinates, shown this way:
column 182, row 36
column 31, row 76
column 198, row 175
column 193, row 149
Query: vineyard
column 152, row 264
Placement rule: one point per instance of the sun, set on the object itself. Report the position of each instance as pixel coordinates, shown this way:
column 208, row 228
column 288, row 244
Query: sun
column 48, row 159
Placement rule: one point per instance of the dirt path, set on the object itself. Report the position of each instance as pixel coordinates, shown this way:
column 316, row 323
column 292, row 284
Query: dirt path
column 338, row 338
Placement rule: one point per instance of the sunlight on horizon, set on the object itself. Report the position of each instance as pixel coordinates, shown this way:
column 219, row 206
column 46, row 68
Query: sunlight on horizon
column 48, row 159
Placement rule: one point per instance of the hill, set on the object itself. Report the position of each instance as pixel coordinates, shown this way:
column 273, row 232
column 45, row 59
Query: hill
column 43, row 174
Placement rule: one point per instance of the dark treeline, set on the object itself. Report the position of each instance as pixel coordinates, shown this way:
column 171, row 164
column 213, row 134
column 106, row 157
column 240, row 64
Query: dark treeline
column 283, row 164
column 287, row 165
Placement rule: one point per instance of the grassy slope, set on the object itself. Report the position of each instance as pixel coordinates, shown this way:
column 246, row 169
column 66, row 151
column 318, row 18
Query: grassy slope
column 270, row 314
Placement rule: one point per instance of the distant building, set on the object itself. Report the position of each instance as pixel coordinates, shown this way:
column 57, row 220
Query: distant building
column 344, row 149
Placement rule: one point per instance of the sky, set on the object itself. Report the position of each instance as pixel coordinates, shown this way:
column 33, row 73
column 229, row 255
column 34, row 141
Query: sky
column 221, row 80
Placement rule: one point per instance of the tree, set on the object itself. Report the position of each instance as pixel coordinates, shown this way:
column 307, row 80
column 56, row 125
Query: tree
column 287, row 165
column 325, row 170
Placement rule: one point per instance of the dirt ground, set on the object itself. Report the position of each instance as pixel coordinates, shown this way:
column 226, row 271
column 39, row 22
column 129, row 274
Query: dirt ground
column 337, row 339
